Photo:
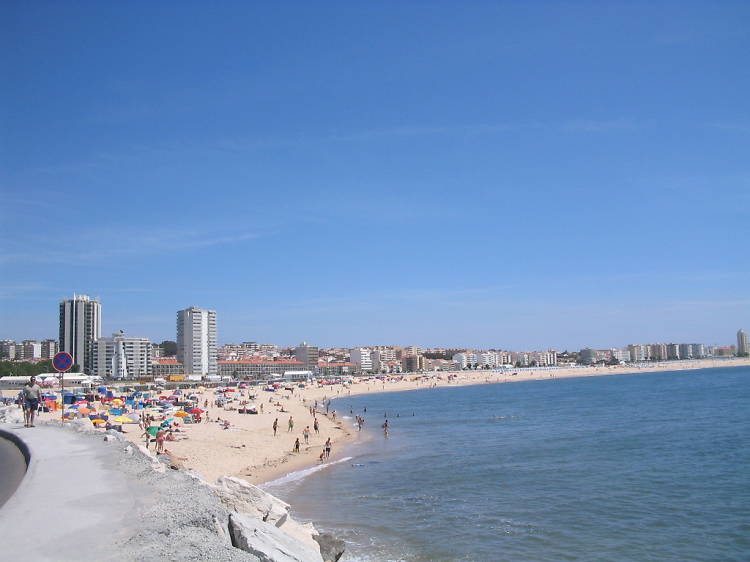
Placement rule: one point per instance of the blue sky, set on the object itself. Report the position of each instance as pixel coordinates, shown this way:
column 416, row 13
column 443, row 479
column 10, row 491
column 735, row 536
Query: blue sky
column 493, row 174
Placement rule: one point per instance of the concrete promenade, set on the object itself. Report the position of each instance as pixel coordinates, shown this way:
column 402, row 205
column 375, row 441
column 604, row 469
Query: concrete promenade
column 72, row 503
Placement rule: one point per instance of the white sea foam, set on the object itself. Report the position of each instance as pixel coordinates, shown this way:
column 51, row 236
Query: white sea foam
column 300, row 474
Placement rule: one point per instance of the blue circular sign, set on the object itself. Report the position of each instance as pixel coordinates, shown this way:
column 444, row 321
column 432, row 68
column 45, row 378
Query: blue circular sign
column 62, row 361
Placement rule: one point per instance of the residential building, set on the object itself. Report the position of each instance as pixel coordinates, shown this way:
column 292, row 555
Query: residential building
column 49, row 349
column 256, row 370
column 658, row 351
column 80, row 327
column 673, row 351
column 545, row 358
column 622, row 355
column 743, row 347
column 698, row 350
column 332, row 369
column 162, row 367
column 465, row 360
column 121, row 357
column 32, row 349
column 196, row 341
column 639, row 352
column 308, row 355
column 362, row 357
column 7, row 349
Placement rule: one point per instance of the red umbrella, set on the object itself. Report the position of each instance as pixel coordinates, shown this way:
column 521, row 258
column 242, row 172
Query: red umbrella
column 196, row 411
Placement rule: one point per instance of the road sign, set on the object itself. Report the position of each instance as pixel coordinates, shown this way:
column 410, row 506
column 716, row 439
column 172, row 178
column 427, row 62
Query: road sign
column 62, row 362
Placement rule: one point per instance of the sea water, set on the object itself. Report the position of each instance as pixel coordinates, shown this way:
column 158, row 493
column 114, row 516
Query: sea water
column 652, row 466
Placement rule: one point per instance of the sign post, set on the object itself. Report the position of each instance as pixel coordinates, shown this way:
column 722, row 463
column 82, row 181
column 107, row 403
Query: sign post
column 62, row 362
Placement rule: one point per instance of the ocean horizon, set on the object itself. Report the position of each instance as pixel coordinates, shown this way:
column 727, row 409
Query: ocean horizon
column 645, row 466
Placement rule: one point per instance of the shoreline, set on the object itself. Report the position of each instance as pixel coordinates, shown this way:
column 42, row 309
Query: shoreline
column 249, row 450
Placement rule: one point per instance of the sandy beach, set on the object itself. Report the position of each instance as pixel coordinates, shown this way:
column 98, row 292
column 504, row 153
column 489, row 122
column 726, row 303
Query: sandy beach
column 248, row 448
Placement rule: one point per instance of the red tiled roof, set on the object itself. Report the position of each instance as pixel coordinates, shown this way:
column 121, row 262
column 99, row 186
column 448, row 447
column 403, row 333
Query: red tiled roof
column 261, row 362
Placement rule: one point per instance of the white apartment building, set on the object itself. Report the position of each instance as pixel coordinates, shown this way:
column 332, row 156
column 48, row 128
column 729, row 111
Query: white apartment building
column 362, row 357
column 659, row 351
column 490, row 360
column 545, row 358
column 463, row 360
column 639, row 352
column 121, row 357
column 196, row 341
column 80, row 327
column 622, row 355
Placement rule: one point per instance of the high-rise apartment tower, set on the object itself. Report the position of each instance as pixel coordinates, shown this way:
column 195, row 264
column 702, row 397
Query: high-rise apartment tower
column 743, row 347
column 196, row 341
column 80, row 327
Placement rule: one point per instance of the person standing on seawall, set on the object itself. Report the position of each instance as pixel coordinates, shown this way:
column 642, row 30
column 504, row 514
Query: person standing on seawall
column 32, row 394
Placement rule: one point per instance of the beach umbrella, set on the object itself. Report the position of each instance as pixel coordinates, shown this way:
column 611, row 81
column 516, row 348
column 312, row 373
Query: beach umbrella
column 182, row 414
column 85, row 411
column 98, row 421
column 123, row 419
column 195, row 411
column 153, row 430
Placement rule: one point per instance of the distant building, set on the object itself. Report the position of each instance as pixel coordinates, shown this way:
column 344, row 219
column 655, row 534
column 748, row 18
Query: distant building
column 622, row 355
column 308, row 355
column 338, row 369
column 121, row 357
column 362, row 357
column 80, row 327
column 196, row 341
column 743, row 348
column 673, row 351
column 162, row 367
column 49, row 349
column 587, row 356
column 257, row 370
column 465, row 360
column 658, row 351
column 7, row 349
column 639, row 352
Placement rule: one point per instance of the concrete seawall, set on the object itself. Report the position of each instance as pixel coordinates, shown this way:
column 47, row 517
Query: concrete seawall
column 14, row 458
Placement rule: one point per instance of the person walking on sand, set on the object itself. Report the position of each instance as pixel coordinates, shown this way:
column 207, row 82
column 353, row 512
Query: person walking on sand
column 290, row 425
column 316, row 427
column 275, row 426
column 328, row 447
column 296, row 445
column 306, row 434
column 32, row 394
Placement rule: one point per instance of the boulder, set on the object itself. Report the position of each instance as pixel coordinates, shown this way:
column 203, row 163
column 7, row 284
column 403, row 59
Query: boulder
column 267, row 542
column 303, row 532
column 331, row 548
column 241, row 496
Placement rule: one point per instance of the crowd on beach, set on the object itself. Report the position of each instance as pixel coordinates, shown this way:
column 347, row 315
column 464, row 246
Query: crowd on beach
column 211, row 429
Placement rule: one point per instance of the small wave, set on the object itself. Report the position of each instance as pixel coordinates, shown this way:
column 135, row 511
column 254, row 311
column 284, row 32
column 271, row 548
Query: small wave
column 300, row 474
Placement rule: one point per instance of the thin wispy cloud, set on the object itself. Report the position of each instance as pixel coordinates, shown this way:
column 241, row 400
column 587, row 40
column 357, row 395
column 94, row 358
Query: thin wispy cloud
column 92, row 245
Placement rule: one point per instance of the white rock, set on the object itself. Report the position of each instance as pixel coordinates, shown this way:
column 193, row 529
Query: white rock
column 267, row 542
column 303, row 532
column 241, row 496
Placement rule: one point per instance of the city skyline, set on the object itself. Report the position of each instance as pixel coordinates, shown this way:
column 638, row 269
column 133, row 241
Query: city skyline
column 204, row 323
column 500, row 174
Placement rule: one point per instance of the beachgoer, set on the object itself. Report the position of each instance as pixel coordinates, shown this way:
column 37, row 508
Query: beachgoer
column 306, row 434
column 290, row 425
column 328, row 447
column 316, row 427
column 275, row 426
column 32, row 394
column 296, row 445
column 160, row 441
